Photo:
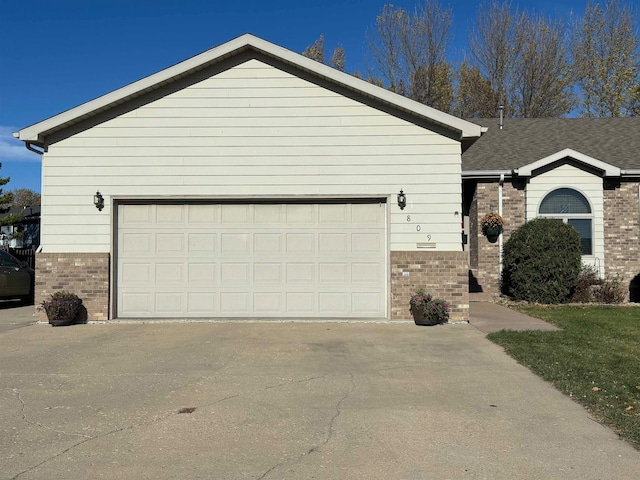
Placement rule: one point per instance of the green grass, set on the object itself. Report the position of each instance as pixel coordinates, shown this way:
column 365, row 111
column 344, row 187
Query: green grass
column 595, row 359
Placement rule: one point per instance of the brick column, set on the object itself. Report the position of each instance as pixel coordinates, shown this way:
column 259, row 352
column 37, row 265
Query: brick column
column 85, row 274
column 443, row 274
column 487, row 268
column 622, row 232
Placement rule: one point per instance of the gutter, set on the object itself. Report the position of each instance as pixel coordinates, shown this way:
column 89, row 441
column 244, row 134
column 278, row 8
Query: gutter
column 480, row 174
column 30, row 147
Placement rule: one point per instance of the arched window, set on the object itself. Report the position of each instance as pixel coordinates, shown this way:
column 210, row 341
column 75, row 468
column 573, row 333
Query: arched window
column 571, row 207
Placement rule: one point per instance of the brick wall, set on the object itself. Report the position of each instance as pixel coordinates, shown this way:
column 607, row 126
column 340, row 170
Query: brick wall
column 85, row 274
column 486, row 268
column 443, row 274
column 622, row 232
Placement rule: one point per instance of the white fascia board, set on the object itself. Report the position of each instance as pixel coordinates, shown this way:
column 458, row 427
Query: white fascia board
column 607, row 169
column 36, row 132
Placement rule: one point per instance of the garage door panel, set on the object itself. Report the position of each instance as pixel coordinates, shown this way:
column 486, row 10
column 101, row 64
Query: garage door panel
column 267, row 302
column 300, row 272
column 170, row 214
column 332, row 303
column 203, row 273
column 169, row 303
column 245, row 260
column 234, row 302
column 169, row 272
column 300, row 302
column 331, row 273
column 137, row 215
column 267, row 273
column 203, row 214
column 366, row 302
column 333, row 214
column 333, row 242
column 365, row 272
column 234, row 273
column 368, row 214
column 136, row 243
column 300, row 214
column 201, row 303
column 268, row 214
column 267, row 243
column 365, row 243
column 169, row 243
column 202, row 242
column 235, row 214
column 235, row 242
column 301, row 243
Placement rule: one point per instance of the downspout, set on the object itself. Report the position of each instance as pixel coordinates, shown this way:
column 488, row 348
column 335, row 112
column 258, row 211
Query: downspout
column 39, row 152
column 500, row 184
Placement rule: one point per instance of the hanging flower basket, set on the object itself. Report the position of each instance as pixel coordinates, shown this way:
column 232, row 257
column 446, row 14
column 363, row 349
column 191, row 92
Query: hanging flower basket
column 492, row 225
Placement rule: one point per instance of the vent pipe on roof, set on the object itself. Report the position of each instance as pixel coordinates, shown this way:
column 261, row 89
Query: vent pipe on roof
column 501, row 109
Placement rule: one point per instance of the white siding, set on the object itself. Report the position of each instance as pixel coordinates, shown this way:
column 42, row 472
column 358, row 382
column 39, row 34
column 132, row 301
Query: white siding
column 252, row 131
column 589, row 185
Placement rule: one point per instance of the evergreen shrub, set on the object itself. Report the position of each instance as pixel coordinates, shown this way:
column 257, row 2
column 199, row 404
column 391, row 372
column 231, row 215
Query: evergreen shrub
column 541, row 262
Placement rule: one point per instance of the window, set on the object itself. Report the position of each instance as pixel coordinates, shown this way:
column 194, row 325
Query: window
column 571, row 207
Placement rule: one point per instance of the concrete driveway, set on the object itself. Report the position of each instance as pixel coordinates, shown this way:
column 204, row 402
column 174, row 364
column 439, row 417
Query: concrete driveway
column 286, row 401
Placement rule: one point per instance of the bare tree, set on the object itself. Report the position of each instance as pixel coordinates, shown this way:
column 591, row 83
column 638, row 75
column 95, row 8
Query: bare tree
column 24, row 197
column 541, row 78
column 408, row 52
column 605, row 57
column 524, row 58
column 492, row 43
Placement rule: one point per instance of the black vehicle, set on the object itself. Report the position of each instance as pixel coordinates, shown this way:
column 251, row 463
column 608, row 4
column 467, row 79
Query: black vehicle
column 16, row 278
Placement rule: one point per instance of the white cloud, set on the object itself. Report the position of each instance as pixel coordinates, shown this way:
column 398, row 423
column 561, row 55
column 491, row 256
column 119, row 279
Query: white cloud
column 12, row 149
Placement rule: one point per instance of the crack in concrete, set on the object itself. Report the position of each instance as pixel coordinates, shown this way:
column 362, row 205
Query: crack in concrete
column 330, row 431
column 37, row 424
column 106, row 434
column 293, row 382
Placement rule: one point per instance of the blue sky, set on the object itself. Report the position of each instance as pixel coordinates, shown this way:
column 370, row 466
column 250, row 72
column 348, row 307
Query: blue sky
column 57, row 54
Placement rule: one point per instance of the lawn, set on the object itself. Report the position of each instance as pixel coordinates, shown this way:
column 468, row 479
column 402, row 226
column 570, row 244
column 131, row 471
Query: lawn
column 595, row 359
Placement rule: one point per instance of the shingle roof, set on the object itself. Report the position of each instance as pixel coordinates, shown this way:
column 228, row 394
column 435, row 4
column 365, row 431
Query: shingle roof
column 525, row 140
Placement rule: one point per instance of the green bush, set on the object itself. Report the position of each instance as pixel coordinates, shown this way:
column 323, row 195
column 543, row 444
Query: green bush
column 541, row 261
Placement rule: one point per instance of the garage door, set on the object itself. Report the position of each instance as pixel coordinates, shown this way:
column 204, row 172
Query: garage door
column 251, row 260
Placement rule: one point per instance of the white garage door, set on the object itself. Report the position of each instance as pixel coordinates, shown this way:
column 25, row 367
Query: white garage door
column 251, row 260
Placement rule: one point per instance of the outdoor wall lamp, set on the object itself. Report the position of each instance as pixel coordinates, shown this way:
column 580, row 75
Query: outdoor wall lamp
column 98, row 201
column 402, row 200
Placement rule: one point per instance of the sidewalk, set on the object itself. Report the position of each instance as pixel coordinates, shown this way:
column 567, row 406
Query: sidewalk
column 489, row 317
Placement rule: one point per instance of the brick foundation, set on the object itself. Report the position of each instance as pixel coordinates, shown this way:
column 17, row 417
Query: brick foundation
column 443, row 274
column 85, row 274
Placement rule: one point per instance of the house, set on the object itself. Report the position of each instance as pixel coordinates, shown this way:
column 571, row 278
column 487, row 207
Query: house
column 25, row 231
column 250, row 181
column 585, row 171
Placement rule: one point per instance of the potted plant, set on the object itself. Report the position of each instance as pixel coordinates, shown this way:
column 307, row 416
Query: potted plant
column 492, row 225
column 62, row 308
column 418, row 305
column 437, row 312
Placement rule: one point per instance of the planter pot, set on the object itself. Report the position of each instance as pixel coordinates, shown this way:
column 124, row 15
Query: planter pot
column 493, row 233
column 61, row 320
column 420, row 318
